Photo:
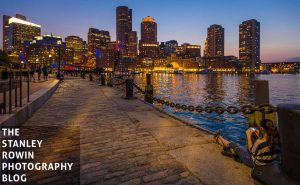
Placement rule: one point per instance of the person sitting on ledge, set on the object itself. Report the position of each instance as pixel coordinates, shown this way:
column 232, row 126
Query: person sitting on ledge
column 263, row 148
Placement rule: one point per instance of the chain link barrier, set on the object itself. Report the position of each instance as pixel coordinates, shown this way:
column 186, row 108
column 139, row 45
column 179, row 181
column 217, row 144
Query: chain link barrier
column 246, row 109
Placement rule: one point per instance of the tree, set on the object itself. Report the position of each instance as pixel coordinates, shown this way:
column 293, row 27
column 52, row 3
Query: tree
column 4, row 59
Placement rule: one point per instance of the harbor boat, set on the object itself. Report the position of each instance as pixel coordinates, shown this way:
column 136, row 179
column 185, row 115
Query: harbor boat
column 206, row 71
column 265, row 72
column 178, row 72
column 135, row 72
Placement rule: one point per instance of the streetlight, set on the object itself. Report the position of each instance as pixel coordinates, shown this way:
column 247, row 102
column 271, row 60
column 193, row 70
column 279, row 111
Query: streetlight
column 59, row 54
column 49, row 59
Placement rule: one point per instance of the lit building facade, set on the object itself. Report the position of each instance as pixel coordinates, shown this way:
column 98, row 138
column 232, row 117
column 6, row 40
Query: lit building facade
column 214, row 46
column 109, row 56
column 123, row 28
column 191, row 51
column 132, row 44
column 97, row 42
column 171, row 46
column 148, row 45
column 17, row 31
column 249, row 45
column 45, row 50
column 77, row 44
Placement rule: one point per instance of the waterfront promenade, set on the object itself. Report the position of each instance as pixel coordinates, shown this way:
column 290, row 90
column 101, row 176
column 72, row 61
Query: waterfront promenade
column 129, row 142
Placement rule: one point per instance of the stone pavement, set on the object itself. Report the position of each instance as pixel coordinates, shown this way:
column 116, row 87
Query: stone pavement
column 128, row 142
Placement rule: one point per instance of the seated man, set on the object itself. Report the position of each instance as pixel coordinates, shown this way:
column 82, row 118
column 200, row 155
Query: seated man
column 262, row 146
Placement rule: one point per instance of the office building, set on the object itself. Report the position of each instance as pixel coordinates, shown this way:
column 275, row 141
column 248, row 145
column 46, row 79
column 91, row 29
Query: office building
column 123, row 28
column 215, row 41
column 77, row 44
column 148, row 44
column 48, row 50
column 191, row 50
column 16, row 31
column 109, row 57
column 171, row 46
column 249, row 45
column 97, row 41
column 132, row 44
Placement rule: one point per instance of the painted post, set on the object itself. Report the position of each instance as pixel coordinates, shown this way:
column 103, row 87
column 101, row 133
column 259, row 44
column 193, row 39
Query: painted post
column 261, row 92
column 148, row 89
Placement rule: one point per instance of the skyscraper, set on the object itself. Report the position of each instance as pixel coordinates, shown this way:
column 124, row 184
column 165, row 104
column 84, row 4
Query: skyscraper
column 215, row 41
column 123, row 28
column 148, row 44
column 249, row 44
column 132, row 44
column 17, row 31
column 97, row 40
column 5, row 31
column 77, row 44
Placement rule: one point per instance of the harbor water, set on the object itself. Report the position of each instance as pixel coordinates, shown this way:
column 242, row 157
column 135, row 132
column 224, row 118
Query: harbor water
column 220, row 89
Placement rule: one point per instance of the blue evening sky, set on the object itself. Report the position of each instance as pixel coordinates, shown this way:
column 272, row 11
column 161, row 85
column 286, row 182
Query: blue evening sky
column 182, row 20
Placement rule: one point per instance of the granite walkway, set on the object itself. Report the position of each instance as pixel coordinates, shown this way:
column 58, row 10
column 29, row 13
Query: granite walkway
column 128, row 142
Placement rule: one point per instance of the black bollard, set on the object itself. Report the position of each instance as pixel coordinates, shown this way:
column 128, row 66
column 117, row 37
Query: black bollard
column 102, row 79
column 289, row 129
column 148, row 90
column 91, row 77
column 129, row 88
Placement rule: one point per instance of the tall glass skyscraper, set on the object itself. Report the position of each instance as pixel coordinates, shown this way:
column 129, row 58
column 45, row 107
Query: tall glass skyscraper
column 214, row 41
column 249, row 45
column 123, row 28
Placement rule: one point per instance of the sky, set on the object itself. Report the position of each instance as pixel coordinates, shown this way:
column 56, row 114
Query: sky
column 183, row 20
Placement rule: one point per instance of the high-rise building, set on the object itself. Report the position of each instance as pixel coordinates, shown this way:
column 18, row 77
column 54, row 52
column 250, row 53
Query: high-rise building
column 17, row 31
column 109, row 56
column 132, row 44
column 215, row 41
column 47, row 50
column 148, row 44
column 162, row 50
column 5, row 31
column 249, row 44
column 123, row 28
column 77, row 44
column 171, row 46
column 97, row 41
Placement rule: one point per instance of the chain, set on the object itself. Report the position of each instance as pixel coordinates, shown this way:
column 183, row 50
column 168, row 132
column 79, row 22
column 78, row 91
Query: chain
column 138, row 88
column 246, row 109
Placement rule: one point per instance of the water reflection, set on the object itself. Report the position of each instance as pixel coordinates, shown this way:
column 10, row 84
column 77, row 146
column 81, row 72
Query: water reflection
column 221, row 89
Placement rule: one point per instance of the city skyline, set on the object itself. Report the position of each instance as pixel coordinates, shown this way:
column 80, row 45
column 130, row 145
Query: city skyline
column 277, row 43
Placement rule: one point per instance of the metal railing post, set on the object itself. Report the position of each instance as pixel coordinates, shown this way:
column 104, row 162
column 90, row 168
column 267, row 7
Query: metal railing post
column 148, row 89
column 129, row 88
column 21, row 89
column 289, row 129
column 28, row 86
column 10, row 99
column 4, row 99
